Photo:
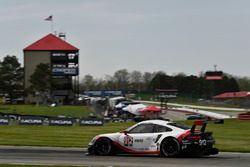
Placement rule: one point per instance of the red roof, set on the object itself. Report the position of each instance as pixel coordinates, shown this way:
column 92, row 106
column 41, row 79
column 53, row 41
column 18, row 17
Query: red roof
column 228, row 95
column 50, row 42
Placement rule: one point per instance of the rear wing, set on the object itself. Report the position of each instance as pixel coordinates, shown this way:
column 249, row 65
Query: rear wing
column 201, row 123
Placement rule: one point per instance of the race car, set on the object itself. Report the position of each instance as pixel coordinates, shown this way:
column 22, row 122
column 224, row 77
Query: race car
column 156, row 137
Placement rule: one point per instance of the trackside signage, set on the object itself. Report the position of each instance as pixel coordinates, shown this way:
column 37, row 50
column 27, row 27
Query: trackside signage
column 31, row 120
column 91, row 122
column 61, row 121
column 4, row 120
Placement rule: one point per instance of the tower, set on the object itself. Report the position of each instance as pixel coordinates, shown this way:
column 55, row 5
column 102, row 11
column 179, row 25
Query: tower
column 62, row 58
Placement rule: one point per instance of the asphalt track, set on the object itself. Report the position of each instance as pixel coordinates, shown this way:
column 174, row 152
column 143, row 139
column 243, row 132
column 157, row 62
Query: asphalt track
column 63, row 156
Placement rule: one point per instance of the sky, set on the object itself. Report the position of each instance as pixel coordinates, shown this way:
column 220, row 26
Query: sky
column 174, row 36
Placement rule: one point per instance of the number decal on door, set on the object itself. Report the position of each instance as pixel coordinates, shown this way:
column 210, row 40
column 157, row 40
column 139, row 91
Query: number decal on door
column 128, row 141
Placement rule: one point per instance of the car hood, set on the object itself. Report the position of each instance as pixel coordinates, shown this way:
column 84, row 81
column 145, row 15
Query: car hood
column 112, row 136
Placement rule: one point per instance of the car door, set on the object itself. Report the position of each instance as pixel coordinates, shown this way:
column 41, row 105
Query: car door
column 140, row 138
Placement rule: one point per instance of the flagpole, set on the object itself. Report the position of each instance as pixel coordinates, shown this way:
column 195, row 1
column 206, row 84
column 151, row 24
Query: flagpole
column 50, row 18
column 52, row 25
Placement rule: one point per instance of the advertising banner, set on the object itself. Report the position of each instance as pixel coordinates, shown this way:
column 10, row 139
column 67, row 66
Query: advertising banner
column 64, row 71
column 61, row 121
column 31, row 120
column 4, row 120
column 91, row 122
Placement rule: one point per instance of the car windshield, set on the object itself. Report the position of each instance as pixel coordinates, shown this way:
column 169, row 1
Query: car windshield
column 184, row 127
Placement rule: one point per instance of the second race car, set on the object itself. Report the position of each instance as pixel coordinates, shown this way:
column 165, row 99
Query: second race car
column 158, row 137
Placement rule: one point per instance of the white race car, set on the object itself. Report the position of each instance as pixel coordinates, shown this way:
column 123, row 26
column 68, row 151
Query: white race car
column 158, row 137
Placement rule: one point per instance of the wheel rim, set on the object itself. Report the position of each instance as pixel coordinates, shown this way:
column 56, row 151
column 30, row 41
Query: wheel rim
column 103, row 147
column 170, row 148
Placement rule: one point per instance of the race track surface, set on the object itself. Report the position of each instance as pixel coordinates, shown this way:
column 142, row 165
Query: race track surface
column 23, row 155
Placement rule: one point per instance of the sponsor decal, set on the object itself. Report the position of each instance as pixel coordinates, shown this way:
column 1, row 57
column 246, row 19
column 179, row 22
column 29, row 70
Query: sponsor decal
column 30, row 120
column 4, row 120
column 139, row 140
column 146, row 152
column 61, row 121
column 91, row 122
column 128, row 141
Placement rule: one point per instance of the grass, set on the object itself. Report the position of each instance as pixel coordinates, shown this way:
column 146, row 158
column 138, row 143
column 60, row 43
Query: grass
column 54, row 136
column 232, row 136
column 71, row 111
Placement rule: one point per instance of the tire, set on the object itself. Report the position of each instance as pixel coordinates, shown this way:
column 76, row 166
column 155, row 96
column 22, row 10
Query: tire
column 170, row 147
column 104, row 147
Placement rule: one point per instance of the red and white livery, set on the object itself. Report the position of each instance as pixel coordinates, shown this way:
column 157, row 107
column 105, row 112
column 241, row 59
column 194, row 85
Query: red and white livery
column 156, row 137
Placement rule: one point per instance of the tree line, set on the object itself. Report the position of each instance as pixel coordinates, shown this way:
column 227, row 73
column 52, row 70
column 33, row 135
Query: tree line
column 187, row 85
column 12, row 79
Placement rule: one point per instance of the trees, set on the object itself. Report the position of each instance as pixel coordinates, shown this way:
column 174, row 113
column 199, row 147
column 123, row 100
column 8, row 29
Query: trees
column 136, row 80
column 41, row 81
column 11, row 77
column 41, row 78
column 187, row 85
column 121, row 77
column 88, row 82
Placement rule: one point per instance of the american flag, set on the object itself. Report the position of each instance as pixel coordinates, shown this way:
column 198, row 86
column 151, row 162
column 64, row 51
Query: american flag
column 49, row 18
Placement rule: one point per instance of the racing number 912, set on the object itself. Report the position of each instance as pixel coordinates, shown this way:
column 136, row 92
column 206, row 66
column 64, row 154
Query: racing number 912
column 128, row 141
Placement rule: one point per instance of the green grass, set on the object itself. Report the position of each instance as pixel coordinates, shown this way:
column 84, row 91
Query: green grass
column 73, row 111
column 233, row 135
column 54, row 136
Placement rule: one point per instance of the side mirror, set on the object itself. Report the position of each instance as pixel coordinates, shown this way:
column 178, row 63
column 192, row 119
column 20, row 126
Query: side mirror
column 125, row 132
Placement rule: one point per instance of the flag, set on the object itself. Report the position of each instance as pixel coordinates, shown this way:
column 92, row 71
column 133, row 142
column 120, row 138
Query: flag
column 49, row 18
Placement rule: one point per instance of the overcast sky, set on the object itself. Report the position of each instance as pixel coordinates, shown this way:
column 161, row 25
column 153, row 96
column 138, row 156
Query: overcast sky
column 174, row 36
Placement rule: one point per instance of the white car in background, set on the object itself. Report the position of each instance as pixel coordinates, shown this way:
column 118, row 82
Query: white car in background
column 156, row 137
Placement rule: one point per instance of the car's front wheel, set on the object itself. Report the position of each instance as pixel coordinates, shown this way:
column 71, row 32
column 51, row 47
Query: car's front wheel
column 170, row 147
column 104, row 146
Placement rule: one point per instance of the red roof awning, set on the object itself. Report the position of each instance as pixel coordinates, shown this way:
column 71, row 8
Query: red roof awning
column 151, row 109
column 49, row 43
column 232, row 95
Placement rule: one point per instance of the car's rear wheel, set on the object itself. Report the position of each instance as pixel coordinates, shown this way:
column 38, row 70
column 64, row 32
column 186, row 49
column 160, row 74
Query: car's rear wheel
column 104, row 146
column 170, row 147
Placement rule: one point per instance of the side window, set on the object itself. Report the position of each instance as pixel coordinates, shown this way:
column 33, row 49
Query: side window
column 159, row 128
column 142, row 128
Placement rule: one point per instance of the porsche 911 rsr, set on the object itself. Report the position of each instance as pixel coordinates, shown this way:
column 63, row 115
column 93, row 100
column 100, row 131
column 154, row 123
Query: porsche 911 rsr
column 157, row 137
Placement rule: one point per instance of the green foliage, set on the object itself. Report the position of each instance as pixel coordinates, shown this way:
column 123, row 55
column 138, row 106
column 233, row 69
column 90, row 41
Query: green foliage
column 11, row 77
column 41, row 78
column 194, row 86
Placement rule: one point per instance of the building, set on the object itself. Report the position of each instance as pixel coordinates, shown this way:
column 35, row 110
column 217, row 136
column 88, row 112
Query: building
column 239, row 98
column 62, row 58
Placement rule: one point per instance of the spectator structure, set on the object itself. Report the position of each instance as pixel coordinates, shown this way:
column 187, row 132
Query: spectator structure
column 239, row 98
column 62, row 58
